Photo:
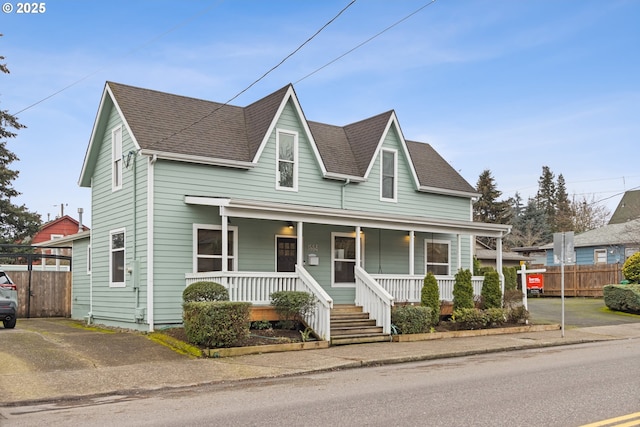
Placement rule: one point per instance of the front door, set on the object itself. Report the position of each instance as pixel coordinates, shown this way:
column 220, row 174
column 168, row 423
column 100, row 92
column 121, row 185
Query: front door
column 287, row 254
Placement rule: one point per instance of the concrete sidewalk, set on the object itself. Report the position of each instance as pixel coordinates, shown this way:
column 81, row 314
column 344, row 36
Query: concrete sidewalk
column 47, row 360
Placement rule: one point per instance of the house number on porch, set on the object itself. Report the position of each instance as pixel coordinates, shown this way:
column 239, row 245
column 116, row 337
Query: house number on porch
column 312, row 247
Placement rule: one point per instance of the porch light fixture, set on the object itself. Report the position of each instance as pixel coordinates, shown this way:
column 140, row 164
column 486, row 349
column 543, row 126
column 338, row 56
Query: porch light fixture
column 290, row 225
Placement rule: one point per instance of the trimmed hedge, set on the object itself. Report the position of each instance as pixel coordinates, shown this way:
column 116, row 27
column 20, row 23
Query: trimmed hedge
column 216, row 323
column 491, row 292
column 623, row 297
column 205, row 291
column 411, row 319
column 292, row 306
column 430, row 297
column 510, row 278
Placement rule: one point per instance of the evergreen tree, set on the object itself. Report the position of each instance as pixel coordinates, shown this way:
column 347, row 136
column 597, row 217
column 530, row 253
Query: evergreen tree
column 488, row 208
column 531, row 228
column 546, row 195
column 564, row 215
column 16, row 222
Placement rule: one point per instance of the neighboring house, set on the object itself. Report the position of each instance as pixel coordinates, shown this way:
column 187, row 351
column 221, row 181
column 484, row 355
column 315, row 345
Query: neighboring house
column 628, row 209
column 609, row 244
column 260, row 199
column 57, row 229
column 489, row 257
column 536, row 254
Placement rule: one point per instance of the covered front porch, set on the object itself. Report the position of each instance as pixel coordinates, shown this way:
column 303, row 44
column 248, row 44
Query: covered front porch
column 343, row 276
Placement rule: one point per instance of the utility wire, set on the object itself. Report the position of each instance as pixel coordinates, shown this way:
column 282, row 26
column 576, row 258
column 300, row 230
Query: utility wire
column 366, row 41
column 258, row 79
column 130, row 52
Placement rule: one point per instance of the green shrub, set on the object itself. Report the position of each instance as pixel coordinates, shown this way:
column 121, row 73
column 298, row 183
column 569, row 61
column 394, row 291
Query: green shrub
column 411, row 319
column 205, row 291
column 430, row 297
column 216, row 323
column 292, row 306
column 491, row 292
column 517, row 314
column 623, row 297
column 495, row 316
column 462, row 290
column 631, row 268
column 510, row 278
column 469, row 318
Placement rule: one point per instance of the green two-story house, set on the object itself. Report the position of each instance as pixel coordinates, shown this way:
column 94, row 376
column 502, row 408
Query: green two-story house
column 260, row 199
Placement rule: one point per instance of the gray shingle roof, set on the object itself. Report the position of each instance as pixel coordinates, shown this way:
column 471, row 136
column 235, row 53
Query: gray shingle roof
column 168, row 123
column 613, row 234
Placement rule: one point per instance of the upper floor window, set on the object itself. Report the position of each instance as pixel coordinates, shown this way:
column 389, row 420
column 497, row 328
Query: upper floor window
column 437, row 257
column 116, row 151
column 117, row 252
column 208, row 248
column 388, row 175
column 287, row 160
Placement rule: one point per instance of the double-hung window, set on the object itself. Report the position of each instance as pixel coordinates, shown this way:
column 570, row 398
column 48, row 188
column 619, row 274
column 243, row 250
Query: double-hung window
column 208, row 248
column 287, row 160
column 437, row 257
column 600, row 256
column 117, row 252
column 116, row 151
column 389, row 175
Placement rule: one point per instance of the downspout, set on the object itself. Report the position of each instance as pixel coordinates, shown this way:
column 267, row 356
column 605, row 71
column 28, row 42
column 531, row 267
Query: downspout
column 136, row 283
column 150, row 254
column 344, row 190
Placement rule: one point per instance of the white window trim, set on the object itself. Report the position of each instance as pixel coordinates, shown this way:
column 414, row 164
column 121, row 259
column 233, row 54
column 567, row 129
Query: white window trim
column 116, row 159
column 113, row 284
column 232, row 228
column 89, row 259
column 595, row 256
column 295, row 160
column 395, row 175
column 335, row 284
column 426, row 260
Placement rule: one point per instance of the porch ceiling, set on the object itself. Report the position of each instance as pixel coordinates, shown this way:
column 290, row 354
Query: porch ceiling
column 320, row 215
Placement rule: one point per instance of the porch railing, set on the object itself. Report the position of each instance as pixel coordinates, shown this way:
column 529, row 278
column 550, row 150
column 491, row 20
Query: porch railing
column 257, row 287
column 406, row 288
column 374, row 299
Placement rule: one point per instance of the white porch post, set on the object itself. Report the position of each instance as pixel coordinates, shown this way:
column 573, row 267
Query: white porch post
column 300, row 246
column 412, row 252
column 358, row 248
column 499, row 262
column 225, row 242
column 459, row 243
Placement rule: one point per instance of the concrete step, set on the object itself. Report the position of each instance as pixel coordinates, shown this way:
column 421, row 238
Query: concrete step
column 356, row 330
column 359, row 339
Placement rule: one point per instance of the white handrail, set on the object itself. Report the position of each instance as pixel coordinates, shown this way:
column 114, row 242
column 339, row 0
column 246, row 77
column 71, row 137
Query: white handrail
column 374, row 299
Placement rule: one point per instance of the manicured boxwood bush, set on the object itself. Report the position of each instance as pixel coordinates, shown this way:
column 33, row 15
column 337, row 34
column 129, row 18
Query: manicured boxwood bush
column 463, row 290
column 430, row 297
column 411, row 319
column 491, row 292
column 215, row 324
column 473, row 318
column 631, row 268
column 292, row 306
column 622, row 297
column 205, row 291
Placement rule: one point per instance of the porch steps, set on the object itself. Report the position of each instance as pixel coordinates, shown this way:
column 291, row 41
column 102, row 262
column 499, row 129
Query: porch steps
column 350, row 325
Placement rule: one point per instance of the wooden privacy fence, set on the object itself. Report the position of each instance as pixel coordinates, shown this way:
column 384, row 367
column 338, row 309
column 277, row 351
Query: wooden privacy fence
column 581, row 280
column 50, row 293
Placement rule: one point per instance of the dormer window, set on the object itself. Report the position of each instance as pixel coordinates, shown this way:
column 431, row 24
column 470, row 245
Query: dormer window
column 287, row 160
column 388, row 176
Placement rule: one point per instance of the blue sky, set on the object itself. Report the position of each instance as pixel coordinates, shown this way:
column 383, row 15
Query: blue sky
column 509, row 86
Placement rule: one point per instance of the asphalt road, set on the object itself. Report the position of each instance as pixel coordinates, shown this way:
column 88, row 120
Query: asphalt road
column 579, row 312
column 561, row 386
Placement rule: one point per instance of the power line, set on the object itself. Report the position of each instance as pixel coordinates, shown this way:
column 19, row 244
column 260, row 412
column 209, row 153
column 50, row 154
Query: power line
column 366, row 41
column 259, row 78
column 170, row 30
